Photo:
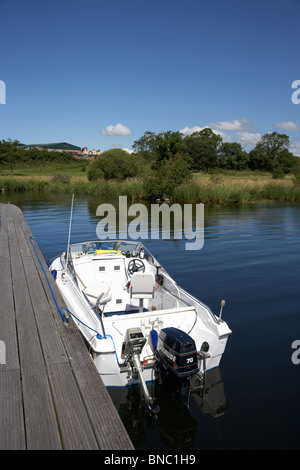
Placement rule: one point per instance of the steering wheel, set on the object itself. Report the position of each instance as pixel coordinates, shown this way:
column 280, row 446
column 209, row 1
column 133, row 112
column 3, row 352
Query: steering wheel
column 134, row 266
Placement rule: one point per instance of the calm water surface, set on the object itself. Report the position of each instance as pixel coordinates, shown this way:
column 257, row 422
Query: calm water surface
column 250, row 258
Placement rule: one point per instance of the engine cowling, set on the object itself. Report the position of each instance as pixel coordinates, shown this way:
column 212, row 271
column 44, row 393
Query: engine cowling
column 176, row 350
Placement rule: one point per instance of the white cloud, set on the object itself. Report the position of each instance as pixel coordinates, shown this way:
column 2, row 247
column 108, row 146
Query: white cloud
column 191, row 130
column 234, row 125
column 248, row 139
column 295, row 149
column 118, row 129
column 287, row 126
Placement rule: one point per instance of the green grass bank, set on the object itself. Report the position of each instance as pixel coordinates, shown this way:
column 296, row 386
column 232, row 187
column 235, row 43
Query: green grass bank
column 221, row 188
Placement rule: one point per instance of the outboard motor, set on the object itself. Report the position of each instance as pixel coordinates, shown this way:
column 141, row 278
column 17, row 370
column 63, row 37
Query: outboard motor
column 131, row 351
column 177, row 352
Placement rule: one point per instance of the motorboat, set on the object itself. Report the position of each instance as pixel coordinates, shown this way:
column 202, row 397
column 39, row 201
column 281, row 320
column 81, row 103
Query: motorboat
column 138, row 324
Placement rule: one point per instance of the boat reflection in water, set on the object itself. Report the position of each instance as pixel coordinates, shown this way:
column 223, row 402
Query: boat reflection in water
column 176, row 424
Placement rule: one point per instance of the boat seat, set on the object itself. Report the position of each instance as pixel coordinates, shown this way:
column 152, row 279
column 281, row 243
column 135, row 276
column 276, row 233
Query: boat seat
column 142, row 287
column 95, row 289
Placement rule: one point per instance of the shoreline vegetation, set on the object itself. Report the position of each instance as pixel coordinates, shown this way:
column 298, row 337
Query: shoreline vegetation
column 226, row 187
column 169, row 167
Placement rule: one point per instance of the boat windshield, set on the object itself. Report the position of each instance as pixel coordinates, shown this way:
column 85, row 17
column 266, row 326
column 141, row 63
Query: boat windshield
column 77, row 248
column 125, row 246
column 92, row 247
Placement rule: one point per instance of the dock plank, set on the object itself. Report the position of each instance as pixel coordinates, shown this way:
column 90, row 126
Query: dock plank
column 42, row 430
column 76, row 430
column 7, row 318
column 109, row 430
column 53, row 348
column 51, row 395
column 12, row 429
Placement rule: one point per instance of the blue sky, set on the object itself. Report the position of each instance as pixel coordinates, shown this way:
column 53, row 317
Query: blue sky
column 100, row 74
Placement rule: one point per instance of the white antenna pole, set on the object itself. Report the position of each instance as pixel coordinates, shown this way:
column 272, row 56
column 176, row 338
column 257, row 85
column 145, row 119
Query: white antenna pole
column 70, row 228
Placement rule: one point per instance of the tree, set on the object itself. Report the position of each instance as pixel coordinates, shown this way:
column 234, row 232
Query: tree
column 9, row 151
column 146, row 146
column 168, row 144
column 296, row 171
column 233, row 157
column 266, row 154
column 202, row 147
column 159, row 147
column 167, row 176
column 285, row 161
column 113, row 164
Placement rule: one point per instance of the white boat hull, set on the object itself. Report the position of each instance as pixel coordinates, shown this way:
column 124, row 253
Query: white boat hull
column 105, row 330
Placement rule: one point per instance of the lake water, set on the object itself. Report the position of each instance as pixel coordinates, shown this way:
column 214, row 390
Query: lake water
column 250, row 258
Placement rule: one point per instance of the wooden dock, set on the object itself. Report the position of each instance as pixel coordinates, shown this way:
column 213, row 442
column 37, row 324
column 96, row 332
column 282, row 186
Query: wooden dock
column 51, row 395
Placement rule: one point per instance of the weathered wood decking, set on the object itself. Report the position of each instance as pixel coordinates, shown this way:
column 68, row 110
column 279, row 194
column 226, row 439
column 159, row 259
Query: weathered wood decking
column 51, row 395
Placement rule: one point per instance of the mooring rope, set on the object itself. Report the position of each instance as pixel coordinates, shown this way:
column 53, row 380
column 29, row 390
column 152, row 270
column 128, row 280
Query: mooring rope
column 61, row 314
column 49, row 243
column 99, row 336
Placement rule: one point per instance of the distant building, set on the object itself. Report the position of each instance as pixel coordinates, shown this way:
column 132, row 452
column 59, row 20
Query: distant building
column 94, row 153
column 57, row 147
